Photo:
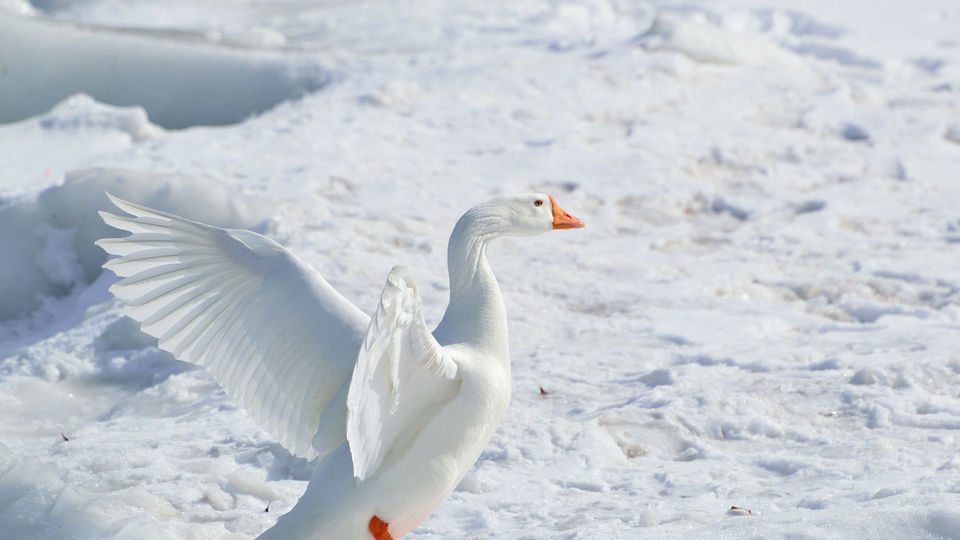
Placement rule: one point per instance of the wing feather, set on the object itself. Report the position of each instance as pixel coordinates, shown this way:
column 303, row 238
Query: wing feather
column 401, row 371
column 270, row 329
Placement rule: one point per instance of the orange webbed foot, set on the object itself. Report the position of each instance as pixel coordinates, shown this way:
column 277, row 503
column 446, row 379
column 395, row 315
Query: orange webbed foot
column 378, row 528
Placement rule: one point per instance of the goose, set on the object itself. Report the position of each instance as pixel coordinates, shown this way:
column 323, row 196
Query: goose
column 393, row 414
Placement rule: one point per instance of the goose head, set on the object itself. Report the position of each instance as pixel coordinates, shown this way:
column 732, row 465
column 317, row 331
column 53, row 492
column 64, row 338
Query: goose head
column 521, row 215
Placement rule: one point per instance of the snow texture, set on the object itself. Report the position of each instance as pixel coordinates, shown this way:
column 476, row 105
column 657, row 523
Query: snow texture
column 178, row 83
column 756, row 335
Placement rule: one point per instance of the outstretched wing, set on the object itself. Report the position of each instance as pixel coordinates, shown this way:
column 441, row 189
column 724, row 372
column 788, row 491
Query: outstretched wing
column 400, row 372
column 269, row 328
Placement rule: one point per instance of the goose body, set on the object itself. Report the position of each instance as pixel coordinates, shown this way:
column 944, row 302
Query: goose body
column 394, row 414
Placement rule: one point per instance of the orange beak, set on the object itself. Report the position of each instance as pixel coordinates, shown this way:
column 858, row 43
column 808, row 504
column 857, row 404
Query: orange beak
column 563, row 220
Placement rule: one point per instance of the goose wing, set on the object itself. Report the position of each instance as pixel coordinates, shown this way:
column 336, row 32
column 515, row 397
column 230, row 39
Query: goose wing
column 401, row 372
column 267, row 326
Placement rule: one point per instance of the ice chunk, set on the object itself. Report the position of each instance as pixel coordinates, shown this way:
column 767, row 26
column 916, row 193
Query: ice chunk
column 247, row 484
column 51, row 238
column 179, row 83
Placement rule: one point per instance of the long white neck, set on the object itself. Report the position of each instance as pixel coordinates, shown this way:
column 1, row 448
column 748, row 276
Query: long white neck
column 475, row 315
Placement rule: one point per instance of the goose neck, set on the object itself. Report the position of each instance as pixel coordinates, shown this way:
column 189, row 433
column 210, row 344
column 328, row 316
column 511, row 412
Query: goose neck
column 475, row 315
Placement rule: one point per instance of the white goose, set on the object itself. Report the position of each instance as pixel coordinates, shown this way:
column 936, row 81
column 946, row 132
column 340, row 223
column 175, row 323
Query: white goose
column 395, row 415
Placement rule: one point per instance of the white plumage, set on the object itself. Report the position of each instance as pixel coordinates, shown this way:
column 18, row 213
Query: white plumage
column 399, row 359
column 416, row 408
column 212, row 297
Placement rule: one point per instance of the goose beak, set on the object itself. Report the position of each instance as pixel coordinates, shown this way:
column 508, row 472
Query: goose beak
column 563, row 220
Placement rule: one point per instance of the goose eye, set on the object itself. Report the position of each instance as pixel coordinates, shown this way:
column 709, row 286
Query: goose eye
column 538, row 202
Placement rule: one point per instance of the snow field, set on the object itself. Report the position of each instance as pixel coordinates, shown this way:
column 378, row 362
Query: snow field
column 761, row 313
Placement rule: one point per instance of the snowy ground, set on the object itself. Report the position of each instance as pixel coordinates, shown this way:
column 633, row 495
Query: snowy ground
column 763, row 311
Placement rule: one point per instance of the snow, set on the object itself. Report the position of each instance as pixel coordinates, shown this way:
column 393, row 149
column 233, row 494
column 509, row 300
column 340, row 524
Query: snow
column 51, row 238
column 761, row 313
column 178, row 83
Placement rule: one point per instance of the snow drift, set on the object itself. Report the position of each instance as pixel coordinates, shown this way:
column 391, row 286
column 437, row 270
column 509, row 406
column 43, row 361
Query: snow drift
column 50, row 239
column 178, row 82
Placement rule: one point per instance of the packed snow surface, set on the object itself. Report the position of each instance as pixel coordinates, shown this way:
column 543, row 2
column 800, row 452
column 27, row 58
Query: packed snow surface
column 757, row 334
column 179, row 83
